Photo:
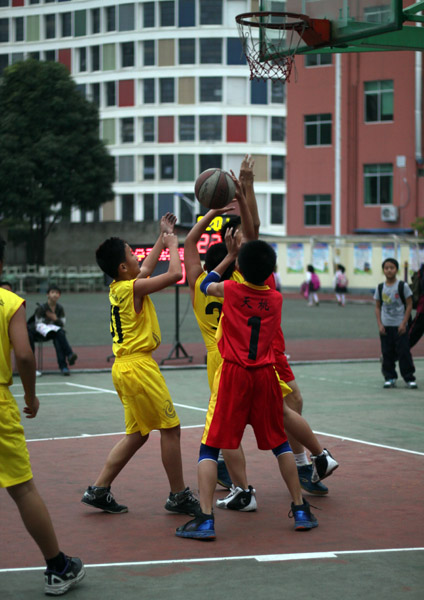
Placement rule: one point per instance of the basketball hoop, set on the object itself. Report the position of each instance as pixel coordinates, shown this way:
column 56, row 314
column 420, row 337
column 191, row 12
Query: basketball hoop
column 272, row 54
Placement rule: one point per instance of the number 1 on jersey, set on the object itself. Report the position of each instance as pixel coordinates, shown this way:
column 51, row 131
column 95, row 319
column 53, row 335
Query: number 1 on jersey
column 255, row 324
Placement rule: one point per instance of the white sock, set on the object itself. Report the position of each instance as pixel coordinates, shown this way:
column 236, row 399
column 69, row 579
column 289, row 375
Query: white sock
column 301, row 459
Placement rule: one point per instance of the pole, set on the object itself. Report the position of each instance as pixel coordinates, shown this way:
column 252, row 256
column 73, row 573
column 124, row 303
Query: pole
column 177, row 347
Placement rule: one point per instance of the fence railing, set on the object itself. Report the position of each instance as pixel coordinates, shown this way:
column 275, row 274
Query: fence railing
column 33, row 278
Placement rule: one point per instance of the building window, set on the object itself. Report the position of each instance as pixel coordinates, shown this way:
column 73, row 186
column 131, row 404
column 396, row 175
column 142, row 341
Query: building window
column 95, row 58
column 82, row 59
column 235, row 54
column 318, row 130
column 111, row 18
column 186, row 13
column 317, row 209
column 127, row 54
column 126, row 168
column 278, row 129
column 210, row 127
column 149, row 14
column 110, row 93
column 19, row 29
column 318, row 60
column 66, row 24
column 210, row 51
column 126, row 17
column 148, row 133
column 378, row 184
column 186, row 128
column 258, row 92
column 166, row 89
column 210, row 12
column 149, row 91
column 278, row 92
column 127, row 130
column 187, row 51
column 379, row 101
column 4, row 30
column 148, row 207
column 149, row 167
column 95, row 20
column 50, row 24
column 95, row 93
column 210, row 89
column 167, row 13
column 148, row 53
column 186, row 211
column 277, row 209
column 127, row 203
column 210, row 161
column 166, row 166
column 277, row 167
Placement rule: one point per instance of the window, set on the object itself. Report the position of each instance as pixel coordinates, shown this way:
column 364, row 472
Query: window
column 378, row 101
column 126, row 168
column 111, row 18
column 149, row 14
column 149, row 207
column 149, row 167
column 277, row 209
column 235, row 54
column 50, row 25
column 187, row 51
column 127, row 130
column 210, row 161
column 186, row 211
column 277, row 167
column 95, row 20
column 166, row 166
column 186, row 128
column 82, row 59
column 210, row 50
column 50, row 55
column 126, row 17
column 66, row 24
column 317, row 209
column 95, row 58
column 278, row 129
column 186, row 13
column 210, row 127
column 378, row 184
column 148, row 125
column 318, row 130
column 167, row 13
column 210, row 89
column 166, row 87
column 127, row 203
column 318, row 60
column 210, row 12
column 127, row 54
column 19, row 29
column 258, row 92
column 4, row 62
column 278, row 92
column 148, row 53
column 110, row 93
column 149, row 91
column 95, row 93
column 4, row 30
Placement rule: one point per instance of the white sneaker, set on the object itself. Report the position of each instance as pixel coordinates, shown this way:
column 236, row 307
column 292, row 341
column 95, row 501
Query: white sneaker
column 38, row 373
column 239, row 499
column 323, row 465
column 411, row 385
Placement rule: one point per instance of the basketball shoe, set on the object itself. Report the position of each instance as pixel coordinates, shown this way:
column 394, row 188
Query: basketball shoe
column 183, row 503
column 239, row 499
column 323, row 465
column 56, row 584
column 305, row 473
column 101, row 497
column 303, row 518
column 200, row 528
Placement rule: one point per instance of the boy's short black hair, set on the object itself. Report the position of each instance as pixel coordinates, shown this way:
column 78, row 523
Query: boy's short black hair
column 256, row 260
column 2, row 247
column 54, row 287
column 216, row 254
column 341, row 268
column 310, row 268
column 233, row 223
column 4, row 283
column 391, row 260
column 110, row 255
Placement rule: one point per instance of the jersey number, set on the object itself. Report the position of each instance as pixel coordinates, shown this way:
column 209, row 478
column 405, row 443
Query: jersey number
column 255, row 324
column 115, row 324
column 211, row 307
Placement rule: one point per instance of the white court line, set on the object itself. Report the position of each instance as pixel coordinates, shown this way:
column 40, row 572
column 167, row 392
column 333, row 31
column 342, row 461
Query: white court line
column 342, row 437
column 56, row 395
column 257, row 557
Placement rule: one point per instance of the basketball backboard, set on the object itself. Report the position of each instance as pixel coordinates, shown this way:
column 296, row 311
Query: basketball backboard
column 356, row 25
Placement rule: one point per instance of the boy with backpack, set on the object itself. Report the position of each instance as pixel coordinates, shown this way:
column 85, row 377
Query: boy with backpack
column 393, row 305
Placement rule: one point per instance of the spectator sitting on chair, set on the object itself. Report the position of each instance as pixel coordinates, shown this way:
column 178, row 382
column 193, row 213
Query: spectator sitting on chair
column 49, row 323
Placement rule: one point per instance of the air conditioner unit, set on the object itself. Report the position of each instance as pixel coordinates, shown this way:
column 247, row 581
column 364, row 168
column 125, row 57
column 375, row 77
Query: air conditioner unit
column 389, row 213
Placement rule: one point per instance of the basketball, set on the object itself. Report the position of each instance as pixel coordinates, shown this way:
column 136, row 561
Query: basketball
column 214, row 188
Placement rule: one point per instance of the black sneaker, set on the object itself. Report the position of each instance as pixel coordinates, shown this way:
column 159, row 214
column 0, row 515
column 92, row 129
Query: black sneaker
column 323, row 465
column 72, row 358
column 200, row 528
column 239, row 499
column 56, row 584
column 101, row 497
column 305, row 473
column 184, row 503
column 303, row 518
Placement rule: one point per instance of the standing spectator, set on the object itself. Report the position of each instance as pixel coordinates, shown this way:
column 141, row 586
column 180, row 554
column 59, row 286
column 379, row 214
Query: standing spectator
column 313, row 285
column 393, row 305
column 340, row 285
column 416, row 328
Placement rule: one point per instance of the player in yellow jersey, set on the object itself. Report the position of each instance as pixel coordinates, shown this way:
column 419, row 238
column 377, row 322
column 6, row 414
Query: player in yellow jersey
column 15, row 469
column 136, row 375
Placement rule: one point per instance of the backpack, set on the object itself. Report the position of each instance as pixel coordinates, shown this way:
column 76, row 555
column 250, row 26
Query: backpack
column 315, row 282
column 417, row 286
column 342, row 280
column 401, row 287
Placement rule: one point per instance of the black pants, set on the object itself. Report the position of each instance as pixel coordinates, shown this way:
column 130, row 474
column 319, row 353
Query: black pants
column 61, row 344
column 396, row 347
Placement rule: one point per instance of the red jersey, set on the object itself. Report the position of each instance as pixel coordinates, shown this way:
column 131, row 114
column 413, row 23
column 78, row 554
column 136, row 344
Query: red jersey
column 251, row 317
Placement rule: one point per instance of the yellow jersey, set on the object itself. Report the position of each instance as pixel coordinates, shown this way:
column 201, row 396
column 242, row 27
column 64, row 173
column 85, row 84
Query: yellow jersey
column 132, row 332
column 9, row 304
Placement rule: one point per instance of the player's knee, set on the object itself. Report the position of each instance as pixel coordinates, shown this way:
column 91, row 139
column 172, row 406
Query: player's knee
column 282, row 449
column 294, row 400
column 208, row 453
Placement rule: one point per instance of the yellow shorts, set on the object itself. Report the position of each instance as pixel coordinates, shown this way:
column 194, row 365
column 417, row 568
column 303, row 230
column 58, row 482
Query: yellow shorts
column 143, row 393
column 15, row 466
column 214, row 360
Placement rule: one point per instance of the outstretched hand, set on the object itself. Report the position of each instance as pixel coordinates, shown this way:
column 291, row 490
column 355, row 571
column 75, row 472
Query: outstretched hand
column 215, row 212
column 170, row 240
column 167, row 223
column 233, row 242
column 239, row 195
column 246, row 169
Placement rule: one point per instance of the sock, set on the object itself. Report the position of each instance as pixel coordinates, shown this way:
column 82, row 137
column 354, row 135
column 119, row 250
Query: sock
column 301, row 459
column 57, row 564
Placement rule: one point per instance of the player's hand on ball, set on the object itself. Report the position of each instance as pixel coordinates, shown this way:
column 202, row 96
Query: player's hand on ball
column 215, row 212
column 167, row 223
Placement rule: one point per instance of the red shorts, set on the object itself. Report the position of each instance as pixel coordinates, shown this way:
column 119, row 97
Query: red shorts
column 283, row 368
column 240, row 397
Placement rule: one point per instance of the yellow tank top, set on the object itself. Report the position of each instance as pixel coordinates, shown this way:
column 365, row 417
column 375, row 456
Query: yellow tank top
column 207, row 310
column 9, row 304
column 131, row 331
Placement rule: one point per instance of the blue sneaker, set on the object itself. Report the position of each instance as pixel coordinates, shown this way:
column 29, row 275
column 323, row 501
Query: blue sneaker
column 200, row 528
column 66, row 371
column 305, row 475
column 303, row 518
column 224, row 478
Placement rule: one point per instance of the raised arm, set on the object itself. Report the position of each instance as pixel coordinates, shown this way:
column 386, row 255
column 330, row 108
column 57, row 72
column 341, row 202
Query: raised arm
column 167, row 224
column 211, row 285
column 245, row 215
column 246, row 179
column 143, row 286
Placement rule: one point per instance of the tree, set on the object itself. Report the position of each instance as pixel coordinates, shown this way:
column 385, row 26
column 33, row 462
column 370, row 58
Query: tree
column 51, row 157
column 418, row 225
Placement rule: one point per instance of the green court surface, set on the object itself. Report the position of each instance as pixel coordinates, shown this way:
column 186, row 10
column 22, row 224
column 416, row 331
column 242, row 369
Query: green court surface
column 370, row 541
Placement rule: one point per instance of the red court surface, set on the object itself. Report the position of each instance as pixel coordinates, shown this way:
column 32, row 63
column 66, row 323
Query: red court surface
column 375, row 502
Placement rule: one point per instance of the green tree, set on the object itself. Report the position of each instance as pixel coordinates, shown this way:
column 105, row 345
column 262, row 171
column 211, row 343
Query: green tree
column 51, row 157
column 418, row 225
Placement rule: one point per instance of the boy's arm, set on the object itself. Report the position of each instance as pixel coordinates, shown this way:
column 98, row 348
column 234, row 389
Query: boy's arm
column 408, row 310
column 167, row 224
column 381, row 328
column 246, row 179
column 143, row 286
column 25, row 360
column 245, row 215
column 192, row 261
column 211, row 285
